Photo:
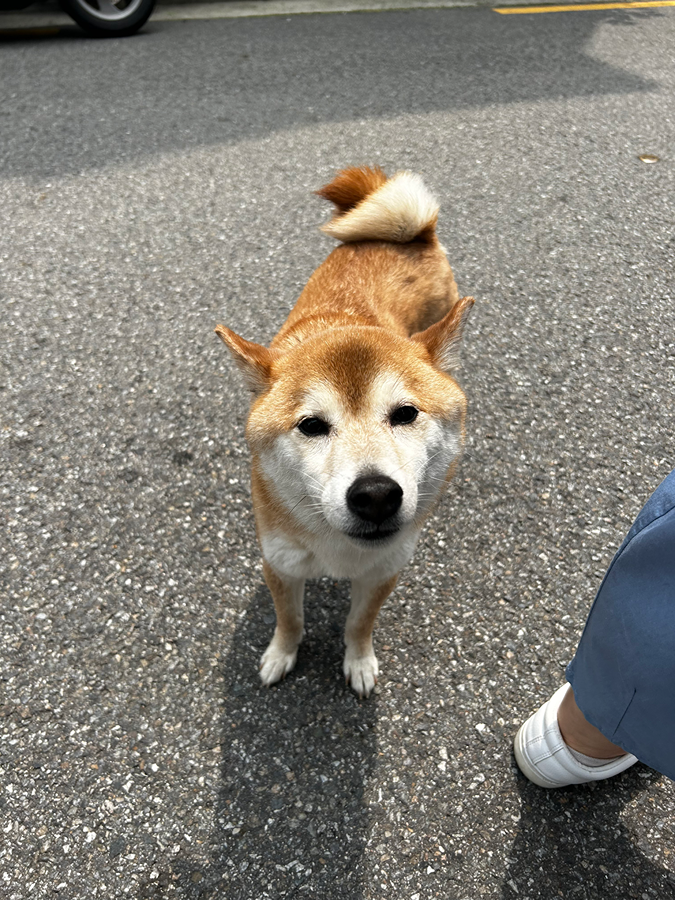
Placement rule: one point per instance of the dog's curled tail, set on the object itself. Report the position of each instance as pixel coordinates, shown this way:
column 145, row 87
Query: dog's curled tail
column 372, row 207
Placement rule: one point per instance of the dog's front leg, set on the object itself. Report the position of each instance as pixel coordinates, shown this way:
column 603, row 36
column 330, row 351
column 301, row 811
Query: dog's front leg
column 280, row 656
column 360, row 666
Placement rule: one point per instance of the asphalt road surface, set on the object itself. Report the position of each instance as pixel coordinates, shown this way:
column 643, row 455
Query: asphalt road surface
column 152, row 187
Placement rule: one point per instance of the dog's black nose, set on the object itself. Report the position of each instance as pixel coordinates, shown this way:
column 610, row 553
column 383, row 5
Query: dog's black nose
column 374, row 498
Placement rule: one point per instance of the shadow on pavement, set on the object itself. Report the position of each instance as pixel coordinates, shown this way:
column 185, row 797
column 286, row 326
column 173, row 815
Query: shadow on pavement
column 236, row 80
column 290, row 813
column 573, row 844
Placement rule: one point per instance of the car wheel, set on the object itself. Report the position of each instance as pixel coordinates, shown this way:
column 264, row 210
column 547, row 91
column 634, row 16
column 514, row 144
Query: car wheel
column 109, row 18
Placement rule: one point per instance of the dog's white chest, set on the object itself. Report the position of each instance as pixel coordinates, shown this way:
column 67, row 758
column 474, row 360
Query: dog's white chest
column 287, row 558
column 337, row 558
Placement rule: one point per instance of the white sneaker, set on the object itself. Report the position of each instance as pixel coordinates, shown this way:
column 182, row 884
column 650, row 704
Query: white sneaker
column 544, row 757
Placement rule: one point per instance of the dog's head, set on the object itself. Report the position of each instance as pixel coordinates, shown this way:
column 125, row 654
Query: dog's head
column 355, row 429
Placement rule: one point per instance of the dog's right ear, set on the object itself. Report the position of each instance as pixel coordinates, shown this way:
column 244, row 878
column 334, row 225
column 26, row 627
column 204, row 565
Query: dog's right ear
column 443, row 339
column 253, row 360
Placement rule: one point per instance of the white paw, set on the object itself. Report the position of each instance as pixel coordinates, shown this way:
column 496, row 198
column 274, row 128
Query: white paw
column 361, row 672
column 276, row 663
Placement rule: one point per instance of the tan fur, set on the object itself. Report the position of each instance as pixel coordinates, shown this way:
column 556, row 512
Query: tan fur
column 378, row 320
column 289, row 617
column 360, row 628
column 351, row 186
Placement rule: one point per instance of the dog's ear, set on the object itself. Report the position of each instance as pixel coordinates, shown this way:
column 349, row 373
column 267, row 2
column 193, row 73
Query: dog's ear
column 443, row 339
column 253, row 360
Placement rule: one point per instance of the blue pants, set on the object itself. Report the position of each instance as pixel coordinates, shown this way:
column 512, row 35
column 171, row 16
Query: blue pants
column 623, row 673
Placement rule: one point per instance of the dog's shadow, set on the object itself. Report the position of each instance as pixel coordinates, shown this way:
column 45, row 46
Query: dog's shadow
column 290, row 815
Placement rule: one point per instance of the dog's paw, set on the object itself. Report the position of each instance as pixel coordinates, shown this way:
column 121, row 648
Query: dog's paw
column 361, row 672
column 276, row 663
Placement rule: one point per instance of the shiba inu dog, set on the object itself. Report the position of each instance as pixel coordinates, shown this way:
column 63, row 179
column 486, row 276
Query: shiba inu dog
column 356, row 421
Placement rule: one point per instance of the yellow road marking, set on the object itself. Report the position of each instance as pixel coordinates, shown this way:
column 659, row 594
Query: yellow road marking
column 576, row 7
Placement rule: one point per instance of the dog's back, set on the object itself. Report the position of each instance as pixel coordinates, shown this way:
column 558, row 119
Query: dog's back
column 390, row 269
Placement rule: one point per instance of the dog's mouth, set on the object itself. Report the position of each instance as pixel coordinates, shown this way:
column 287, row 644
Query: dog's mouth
column 376, row 536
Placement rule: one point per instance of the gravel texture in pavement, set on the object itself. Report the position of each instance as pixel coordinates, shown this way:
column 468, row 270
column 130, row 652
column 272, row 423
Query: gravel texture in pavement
column 154, row 186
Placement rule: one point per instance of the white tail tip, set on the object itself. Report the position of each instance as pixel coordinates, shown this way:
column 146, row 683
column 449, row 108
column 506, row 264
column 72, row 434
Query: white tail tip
column 398, row 211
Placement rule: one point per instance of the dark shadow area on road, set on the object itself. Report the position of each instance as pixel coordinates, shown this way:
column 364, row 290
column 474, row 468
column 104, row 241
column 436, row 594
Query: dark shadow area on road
column 102, row 103
column 290, row 813
column 573, row 844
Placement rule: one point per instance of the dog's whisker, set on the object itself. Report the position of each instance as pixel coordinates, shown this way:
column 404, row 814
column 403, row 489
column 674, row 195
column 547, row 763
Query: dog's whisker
column 296, row 505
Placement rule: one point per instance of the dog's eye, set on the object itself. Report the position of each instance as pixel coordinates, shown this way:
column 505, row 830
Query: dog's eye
column 404, row 415
column 313, row 427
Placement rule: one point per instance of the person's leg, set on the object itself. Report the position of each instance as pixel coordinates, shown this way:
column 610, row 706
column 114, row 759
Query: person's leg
column 580, row 735
column 621, row 703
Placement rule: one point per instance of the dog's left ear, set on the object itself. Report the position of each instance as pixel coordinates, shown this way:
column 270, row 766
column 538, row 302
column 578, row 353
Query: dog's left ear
column 253, row 360
column 443, row 339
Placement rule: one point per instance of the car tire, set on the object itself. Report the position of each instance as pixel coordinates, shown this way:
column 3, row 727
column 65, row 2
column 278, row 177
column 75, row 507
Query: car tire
column 103, row 18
